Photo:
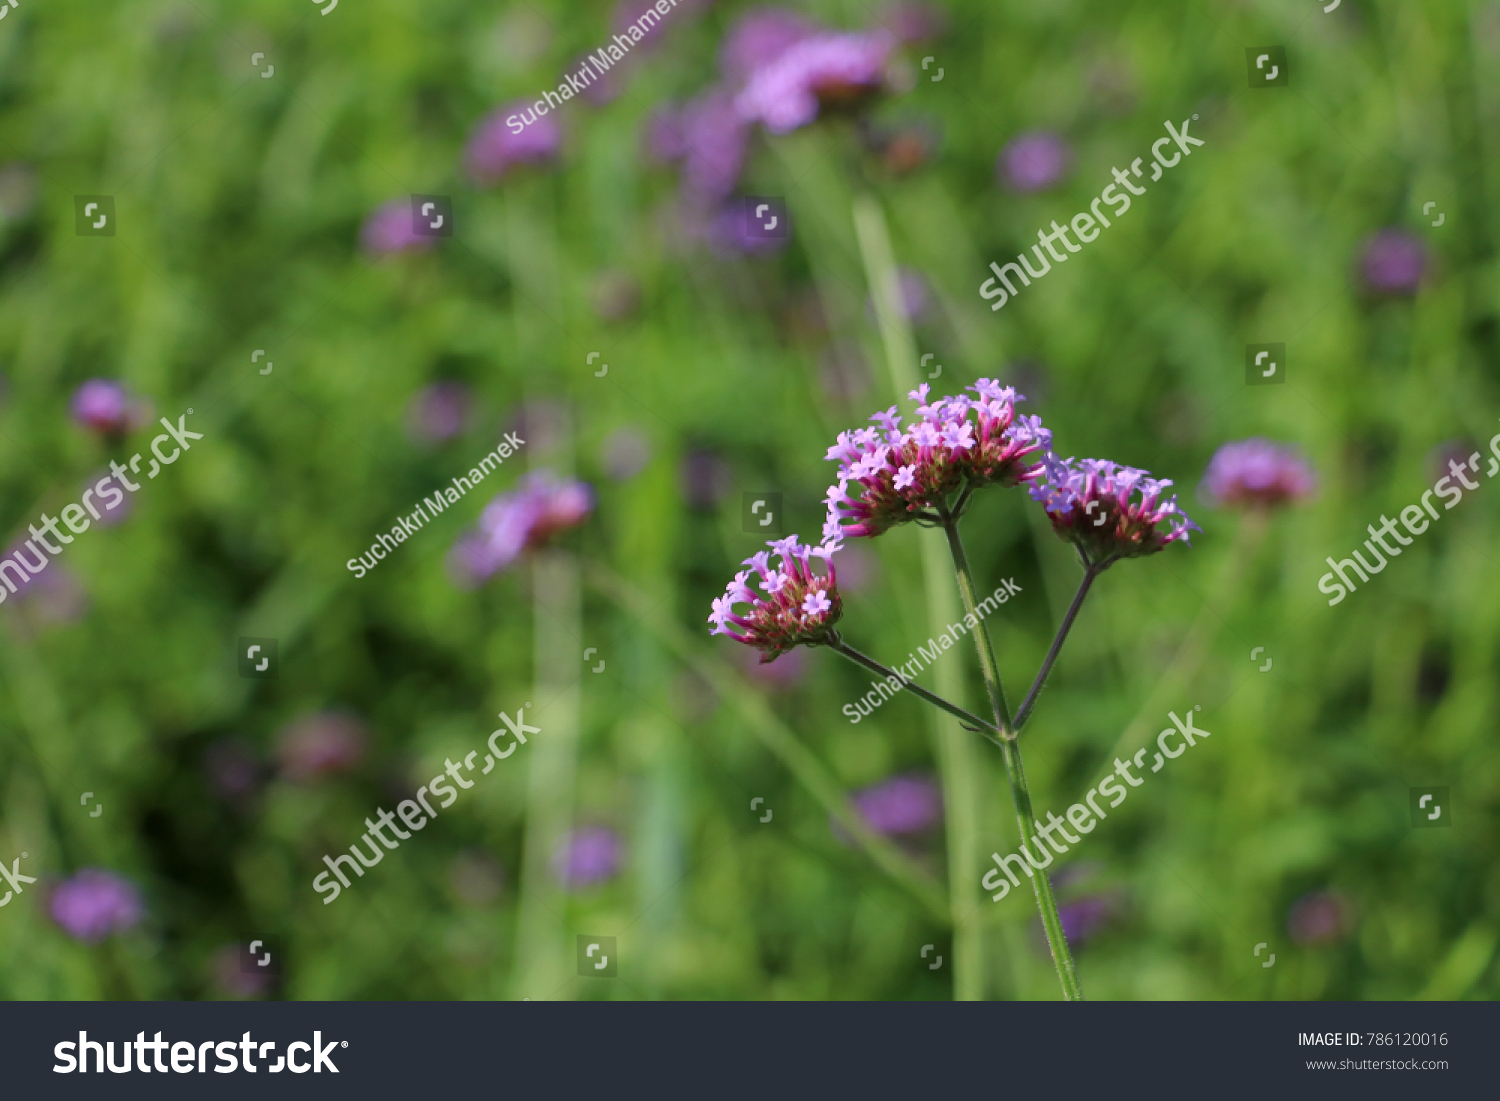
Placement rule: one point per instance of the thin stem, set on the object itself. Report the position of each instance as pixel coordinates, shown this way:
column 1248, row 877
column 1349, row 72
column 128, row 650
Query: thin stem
column 837, row 643
column 1020, row 790
column 1062, row 633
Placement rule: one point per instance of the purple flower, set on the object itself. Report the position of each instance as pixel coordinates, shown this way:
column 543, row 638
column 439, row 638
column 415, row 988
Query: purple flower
column 389, row 230
column 906, row 804
column 912, row 296
column 824, row 70
column 796, row 607
column 1088, row 502
column 103, row 406
column 1320, row 917
column 728, row 231
column 319, row 745
column 935, row 456
column 438, row 412
column 587, row 857
column 759, row 37
column 509, row 136
column 1256, row 472
column 54, row 595
column 513, row 522
column 1034, row 161
column 913, row 20
column 94, row 904
column 1393, row 261
column 1083, row 918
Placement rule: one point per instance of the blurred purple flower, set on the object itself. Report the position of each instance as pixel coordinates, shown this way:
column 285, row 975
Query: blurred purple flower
column 759, row 37
column 913, row 20
column 626, row 13
column 913, row 296
column 1084, row 917
column 232, row 769
column 107, row 408
column 728, row 232
column 1393, row 262
column 95, row 904
column 438, row 412
column 705, row 479
column 513, row 522
column 1034, row 161
column 587, row 857
column 55, row 595
column 389, row 230
column 615, row 296
column 905, row 804
column 714, row 139
column 319, row 745
column 1256, row 472
column 17, row 191
column 495, row 146
column 1320, row 917
column 627, row 450
column 825, row 70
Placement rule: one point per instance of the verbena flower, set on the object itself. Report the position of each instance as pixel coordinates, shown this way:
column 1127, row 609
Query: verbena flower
column 901, row 473
column 495, row 148
column 1034, row 161
column 1256, row 472
column 389, row 230
column 107, row 407
column 541, row 505
column 795, row 606
column 587, row 857
column 94, row 904
column 758, row 38
column 321, row 744
column 1089, row 504
column 822, row 70
column 900, row 805
column 1393, row 262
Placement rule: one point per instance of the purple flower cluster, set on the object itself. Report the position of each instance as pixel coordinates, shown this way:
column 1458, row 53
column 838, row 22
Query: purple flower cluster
column 94, row 904
column 1034, row 161
column 901, row 473
column 106, row 407
column 823, row 70
column 390, row 230
column 495, row 149
column 1256, row 473
column 1089, row 504
column 901, row 805
column 1393, row 262
column 797, row 607
column 587, row 857
column 513, row 522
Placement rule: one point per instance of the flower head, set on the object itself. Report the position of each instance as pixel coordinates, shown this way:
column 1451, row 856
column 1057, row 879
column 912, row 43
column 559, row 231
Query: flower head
column 390, row 229
column 438, row 412
column 900, row 805
column 107, row 407
column 513, row 522
column 796, row 606
column 496, row 146
column 979, row 441
column 1319, row 917
column 587, row 857
column 1256, row 472
column 94, row 904
column 320, row 744
column 1393, row 262
column 758, row 38
column 822, row 70
column 1089, row 504
column 1034, row 161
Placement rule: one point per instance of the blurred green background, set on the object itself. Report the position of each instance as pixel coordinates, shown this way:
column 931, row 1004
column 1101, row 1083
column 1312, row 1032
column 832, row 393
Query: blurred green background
column 240, row 200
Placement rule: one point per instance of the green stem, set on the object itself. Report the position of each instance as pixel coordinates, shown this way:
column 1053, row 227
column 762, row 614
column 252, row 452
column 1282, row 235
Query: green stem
column 1022, row 715
column 1020, row 791
column 836, row 643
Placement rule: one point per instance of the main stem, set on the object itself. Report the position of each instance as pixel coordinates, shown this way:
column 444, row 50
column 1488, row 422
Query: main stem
column 1020, row 791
